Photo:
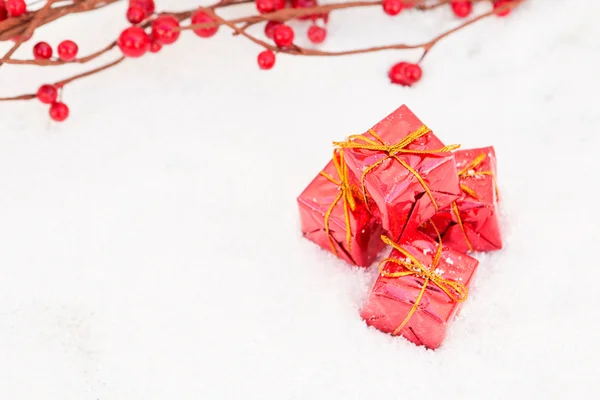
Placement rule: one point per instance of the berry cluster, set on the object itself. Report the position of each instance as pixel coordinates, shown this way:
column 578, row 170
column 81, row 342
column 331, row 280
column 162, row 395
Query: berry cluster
column 150, row 30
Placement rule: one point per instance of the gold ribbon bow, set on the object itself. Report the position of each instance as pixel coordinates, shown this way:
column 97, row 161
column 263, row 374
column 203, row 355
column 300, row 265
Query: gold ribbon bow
column 345, row 194
column 457, row 292
column 467, row 172
column 392, row 151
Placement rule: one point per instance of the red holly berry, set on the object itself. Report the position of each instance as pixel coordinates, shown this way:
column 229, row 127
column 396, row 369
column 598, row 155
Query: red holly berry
column 135, row 14
column 67, row 50
column 307, row 4
column 165, row 29
column 502, row 3
column 146, row 5
column 392, row 7
column 155, row 47
column 59, row 111
column 270, row 27
column 279, row 4
column 317, row 34
column 3, row 12
column 265, row 6
column 283, row 35
column 134, row 42
column 266, row 59
column 462, row 8
column 200, row 17
column 405, row 74
column 47, row 94
column 16, row 8
column 42, row 51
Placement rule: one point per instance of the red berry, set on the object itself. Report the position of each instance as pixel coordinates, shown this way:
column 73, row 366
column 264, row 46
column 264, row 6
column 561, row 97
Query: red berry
column 134, row 42
column 16, row 8
column 155, row 47
column 405, row 74
column 47, row 94
column 307, row 4
column 146, row 5
column 392, row 7
column 59, row 111
column 279, row 4
column 283, row 35
column 316, row 34
column 165, row 29
column 502, row 3
column 270, row 27
column 462, row 8
column 200, row 17
column 265, row 6
column 67, row 50
column 266, row 59
column 42, row 51
column 136, row 14
column 3, row 12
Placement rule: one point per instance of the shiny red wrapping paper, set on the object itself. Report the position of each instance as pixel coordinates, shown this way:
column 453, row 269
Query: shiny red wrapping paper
column 480, row 230
column 396, row 191
column 392, row 299
column 316, row 200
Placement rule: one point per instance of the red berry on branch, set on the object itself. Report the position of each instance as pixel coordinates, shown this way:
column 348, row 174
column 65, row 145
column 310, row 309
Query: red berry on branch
column 265, row 6
column 306, row 4
column 405, row 74
column 279, row 4
column 59, row 111
column 135, row 14
column 392, row 7
column 146, row 5
column 462, row 8
column 266, row 59
column 47, row 94
column 270, row 27
column 67, row 50
column 165, row 29
column 16, row 8
column 134, row 42
column 317, row 34
column 501, row 3
column 200, row 17
column 155, row 47
column 42, row 51
column 283, row 35
column 3, row 12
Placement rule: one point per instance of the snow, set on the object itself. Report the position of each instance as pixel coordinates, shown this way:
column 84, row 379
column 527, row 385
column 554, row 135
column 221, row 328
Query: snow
column 150, row 245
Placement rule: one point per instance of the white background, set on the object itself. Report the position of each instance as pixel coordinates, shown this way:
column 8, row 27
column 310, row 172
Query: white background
column 150, row 245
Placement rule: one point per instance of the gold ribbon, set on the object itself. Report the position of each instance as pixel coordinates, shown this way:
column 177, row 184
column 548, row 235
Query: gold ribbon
column 467, row 172
column 392, row 151
column 457, row 292
column 344, row 194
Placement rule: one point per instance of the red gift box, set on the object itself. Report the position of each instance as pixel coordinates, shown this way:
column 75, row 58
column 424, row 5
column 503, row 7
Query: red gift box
column 335, row 218
column 421, row 287
column 471, row 223
column 404, row 168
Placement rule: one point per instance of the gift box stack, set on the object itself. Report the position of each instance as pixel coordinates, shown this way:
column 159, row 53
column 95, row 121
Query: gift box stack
column 398, row 186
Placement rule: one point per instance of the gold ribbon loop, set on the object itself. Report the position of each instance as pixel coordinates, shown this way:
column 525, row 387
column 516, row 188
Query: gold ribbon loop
column 344, row 194
column 392, row 151
column 470, row 171
column 457, row 292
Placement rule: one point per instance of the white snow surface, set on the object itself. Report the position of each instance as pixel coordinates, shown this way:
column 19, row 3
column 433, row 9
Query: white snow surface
column 150, row 246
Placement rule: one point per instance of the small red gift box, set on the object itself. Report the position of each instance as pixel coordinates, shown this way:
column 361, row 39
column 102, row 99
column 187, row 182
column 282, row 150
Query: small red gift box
column 335, row 218
column 471, row 223
column 404, row 168
column 420, row 289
